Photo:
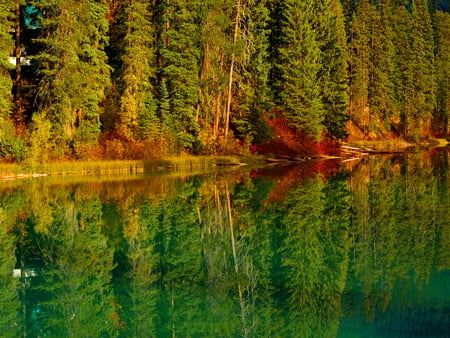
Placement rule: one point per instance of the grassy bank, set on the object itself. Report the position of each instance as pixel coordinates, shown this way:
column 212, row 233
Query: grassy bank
column 10, row 171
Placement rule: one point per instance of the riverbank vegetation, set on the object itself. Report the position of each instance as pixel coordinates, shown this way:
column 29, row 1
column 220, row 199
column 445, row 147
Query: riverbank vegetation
column 127, row 80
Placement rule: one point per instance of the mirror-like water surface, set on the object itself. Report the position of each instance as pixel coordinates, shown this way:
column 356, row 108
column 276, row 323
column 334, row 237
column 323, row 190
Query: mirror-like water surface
column 360, row 249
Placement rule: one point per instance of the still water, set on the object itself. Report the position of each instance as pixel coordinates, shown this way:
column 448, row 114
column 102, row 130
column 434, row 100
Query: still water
column 325, row 249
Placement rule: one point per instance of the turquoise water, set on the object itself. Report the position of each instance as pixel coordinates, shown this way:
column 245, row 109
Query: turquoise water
column 326, row 249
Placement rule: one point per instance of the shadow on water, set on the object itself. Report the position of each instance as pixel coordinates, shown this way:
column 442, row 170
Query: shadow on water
column 314, row 250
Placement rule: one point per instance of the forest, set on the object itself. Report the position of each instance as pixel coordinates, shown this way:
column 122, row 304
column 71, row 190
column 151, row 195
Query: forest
column 132, row 79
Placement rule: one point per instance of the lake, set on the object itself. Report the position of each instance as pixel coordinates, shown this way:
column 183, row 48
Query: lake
column 322, row 249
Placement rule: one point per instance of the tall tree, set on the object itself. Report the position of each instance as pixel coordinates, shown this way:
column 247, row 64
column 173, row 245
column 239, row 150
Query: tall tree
column 6, row 48
column 137, row 117
column 421, row 88
column 333, row 75
column 442, row 111
column 401, row 26
column 10, row 146
column 215, row 45
column 381, row 92
column 299, row 66
column 74, row 69
column 253, row 80
column 178, row 61
column 360, row 57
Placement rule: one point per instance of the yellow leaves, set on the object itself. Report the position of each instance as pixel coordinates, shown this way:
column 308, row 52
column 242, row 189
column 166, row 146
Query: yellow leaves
column 43, row 215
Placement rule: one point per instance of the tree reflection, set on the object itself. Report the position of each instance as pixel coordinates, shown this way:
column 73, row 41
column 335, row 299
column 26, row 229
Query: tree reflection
column 229, row 255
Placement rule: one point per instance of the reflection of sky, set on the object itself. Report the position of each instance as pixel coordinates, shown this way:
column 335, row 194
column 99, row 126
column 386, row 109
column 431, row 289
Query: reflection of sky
column 30, row 14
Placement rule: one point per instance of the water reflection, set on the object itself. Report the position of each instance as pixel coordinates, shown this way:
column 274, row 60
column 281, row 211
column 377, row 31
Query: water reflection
column 312, row 251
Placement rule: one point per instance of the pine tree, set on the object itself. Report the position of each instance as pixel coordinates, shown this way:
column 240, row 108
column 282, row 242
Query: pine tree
column 360, row 58
column 178, row 61
column 421, row 88
column 381, row 91
column 137, row 117
column 6, row 48
column 256, row 99
column 299, row 67
column 442, row 111
column 11, row 147
column 401, row 26
column 333, row 76
column 73, row 67
column 349, row 9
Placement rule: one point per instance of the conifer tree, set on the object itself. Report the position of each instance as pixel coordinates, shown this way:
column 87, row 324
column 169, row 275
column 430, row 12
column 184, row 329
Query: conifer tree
column 349, row 8
column 178, row 61
column 360, row 58
column 73, row 67
column 6, row 48
column 401, row 26
column 254, row 68
column 381, row 92
column 333, row 77
column 10, row 145
column 420, row 89
column 442, row 111
column 137, row 117
column 299, row 67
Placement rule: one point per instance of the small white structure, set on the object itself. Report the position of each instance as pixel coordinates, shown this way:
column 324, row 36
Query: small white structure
column 24, row 61
column 17, row 273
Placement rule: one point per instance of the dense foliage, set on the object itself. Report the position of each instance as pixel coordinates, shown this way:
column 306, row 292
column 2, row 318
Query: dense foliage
column 135, row 78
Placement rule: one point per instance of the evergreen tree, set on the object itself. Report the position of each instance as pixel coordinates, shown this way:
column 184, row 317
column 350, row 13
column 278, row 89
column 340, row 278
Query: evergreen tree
column 442, row 111
column 6, row 48
column 381, row 91
column 333, row 75
column 216, row 20
column 360, row 58
column 255, row 100
column 11, row 147
column 137, row 117
column 420, row 88
column 349, row 8
column 299, row 67
column 178, row 61
column 73, row 66
column 401, row 26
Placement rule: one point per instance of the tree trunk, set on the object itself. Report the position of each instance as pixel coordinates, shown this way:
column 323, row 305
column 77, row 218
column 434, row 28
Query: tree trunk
column 233, row 58
column 18, row 118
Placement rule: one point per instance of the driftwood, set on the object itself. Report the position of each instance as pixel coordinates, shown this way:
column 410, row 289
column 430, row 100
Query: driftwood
column 358, row 149
column 287, row 159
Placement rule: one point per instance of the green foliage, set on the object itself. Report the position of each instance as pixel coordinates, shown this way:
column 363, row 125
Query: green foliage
column 381, row 92
column 137, row 72
column 333, row 75
column 73, row 67
column 11, row 146
column 6, row 48
column 421, row 87
column 253, row 79
column 360, row 49
column 442, row 111
column 41, row 141
column 178, row 59
column 299, row 66
column 203, row 76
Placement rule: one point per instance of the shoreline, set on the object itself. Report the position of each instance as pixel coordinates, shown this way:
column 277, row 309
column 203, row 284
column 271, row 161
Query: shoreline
column 347, row 150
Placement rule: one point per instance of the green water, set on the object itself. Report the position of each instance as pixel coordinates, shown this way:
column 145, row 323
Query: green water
column 358, row 249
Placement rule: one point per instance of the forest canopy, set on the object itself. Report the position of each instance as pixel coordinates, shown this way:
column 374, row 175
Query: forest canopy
column 136, row 78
